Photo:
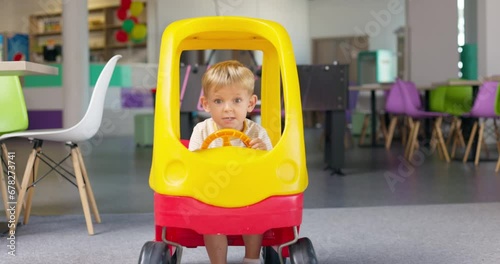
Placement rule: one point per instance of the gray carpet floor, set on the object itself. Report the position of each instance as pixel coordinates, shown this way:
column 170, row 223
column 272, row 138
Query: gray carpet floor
column 452, row 233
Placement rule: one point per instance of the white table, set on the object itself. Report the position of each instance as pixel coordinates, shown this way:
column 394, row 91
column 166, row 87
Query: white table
column 20, row 68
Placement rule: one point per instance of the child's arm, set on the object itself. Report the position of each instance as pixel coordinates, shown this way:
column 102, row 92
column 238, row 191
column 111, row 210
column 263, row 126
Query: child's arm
column 262, row 141
column 258, row 143
column 196, row 139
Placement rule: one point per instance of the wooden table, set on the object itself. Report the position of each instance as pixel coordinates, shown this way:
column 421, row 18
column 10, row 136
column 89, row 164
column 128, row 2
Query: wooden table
column 458, row 83
column 19, row 68
column 493, row 78
column 372, row 87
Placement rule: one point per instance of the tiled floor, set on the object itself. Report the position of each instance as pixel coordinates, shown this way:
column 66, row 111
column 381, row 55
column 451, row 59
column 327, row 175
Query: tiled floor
column 375, row 177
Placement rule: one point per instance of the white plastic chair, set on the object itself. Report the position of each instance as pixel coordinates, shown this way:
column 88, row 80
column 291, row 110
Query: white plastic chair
column 83, row 130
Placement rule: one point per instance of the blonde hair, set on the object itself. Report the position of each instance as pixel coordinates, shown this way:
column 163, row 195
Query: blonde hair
column 227, row 73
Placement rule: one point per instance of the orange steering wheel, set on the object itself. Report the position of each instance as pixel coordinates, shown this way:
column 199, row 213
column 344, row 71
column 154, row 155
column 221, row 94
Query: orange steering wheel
column 226, row 134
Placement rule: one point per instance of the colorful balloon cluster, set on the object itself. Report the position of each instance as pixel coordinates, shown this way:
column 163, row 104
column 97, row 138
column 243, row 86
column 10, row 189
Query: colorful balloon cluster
column 131, row 29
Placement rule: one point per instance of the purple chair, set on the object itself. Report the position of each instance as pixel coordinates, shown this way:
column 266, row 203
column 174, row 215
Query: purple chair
column 411, row 96
column 393, row 101
column 484, row 107
column 353, row 99
column 394, row 105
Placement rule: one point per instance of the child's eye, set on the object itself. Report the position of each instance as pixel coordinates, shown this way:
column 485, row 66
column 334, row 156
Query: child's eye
column 218, row 101
column 238, row 100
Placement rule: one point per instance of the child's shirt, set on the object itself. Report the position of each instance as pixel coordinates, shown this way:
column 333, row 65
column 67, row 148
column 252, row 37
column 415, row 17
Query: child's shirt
column 203, row 129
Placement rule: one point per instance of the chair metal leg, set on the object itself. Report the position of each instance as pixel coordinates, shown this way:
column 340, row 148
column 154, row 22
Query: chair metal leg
column 88, row 187
column 82, row 190
column 434, row 144
column 433, row 140
column 347, row 138
column 483, row 141
column 498, row 165
column 497, row 134
column 413, row 143
column 452, row 131
column 456, row 141
column 460, row 134
column 485, row 147
column 409, row 142
column 382, row 127
column 390, row 133
column 480, row 140
column 404, row 131
column 24, row 184
column 363, row 129
column 471, row 140
column 441, row 139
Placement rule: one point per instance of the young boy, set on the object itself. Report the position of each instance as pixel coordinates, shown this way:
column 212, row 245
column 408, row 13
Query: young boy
column 228, row 97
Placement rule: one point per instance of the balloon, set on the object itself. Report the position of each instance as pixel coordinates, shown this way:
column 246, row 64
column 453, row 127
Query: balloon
column 136, row 8
column 121, row 36
column 125, row 4
column 139, row 32
column 18, row 57
column 128, row 25
column 121, row 13
column 135, row 19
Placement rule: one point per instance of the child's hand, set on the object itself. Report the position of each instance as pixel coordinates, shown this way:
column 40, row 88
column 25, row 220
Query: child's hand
column 257, row 143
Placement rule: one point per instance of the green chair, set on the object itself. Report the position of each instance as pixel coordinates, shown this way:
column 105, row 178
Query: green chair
column 458, row 101
column 13, row 112
column 437, row 103
column 497, row 101
column 436, row 99
column 497, row 112
column 13, row 117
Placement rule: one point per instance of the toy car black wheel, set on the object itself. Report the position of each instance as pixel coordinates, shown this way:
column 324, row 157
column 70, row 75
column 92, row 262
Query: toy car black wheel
column 270, row 256
column 302, row 252
column 173, row 258
column 154, row 252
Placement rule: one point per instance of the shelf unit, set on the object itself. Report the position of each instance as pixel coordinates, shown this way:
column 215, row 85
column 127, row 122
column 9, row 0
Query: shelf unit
column 46, row 29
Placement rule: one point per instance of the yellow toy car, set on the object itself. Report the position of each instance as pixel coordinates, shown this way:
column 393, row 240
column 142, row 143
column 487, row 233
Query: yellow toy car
column 229, row 190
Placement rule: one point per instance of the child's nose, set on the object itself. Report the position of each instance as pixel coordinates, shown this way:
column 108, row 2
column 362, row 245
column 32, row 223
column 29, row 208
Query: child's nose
column 227, row 107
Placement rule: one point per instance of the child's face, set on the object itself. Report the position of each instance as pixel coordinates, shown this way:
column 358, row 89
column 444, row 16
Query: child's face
column 229, row 106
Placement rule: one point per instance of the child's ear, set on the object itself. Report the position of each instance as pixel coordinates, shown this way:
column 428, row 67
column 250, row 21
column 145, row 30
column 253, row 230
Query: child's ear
column 204, row 104
column 252, row 103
